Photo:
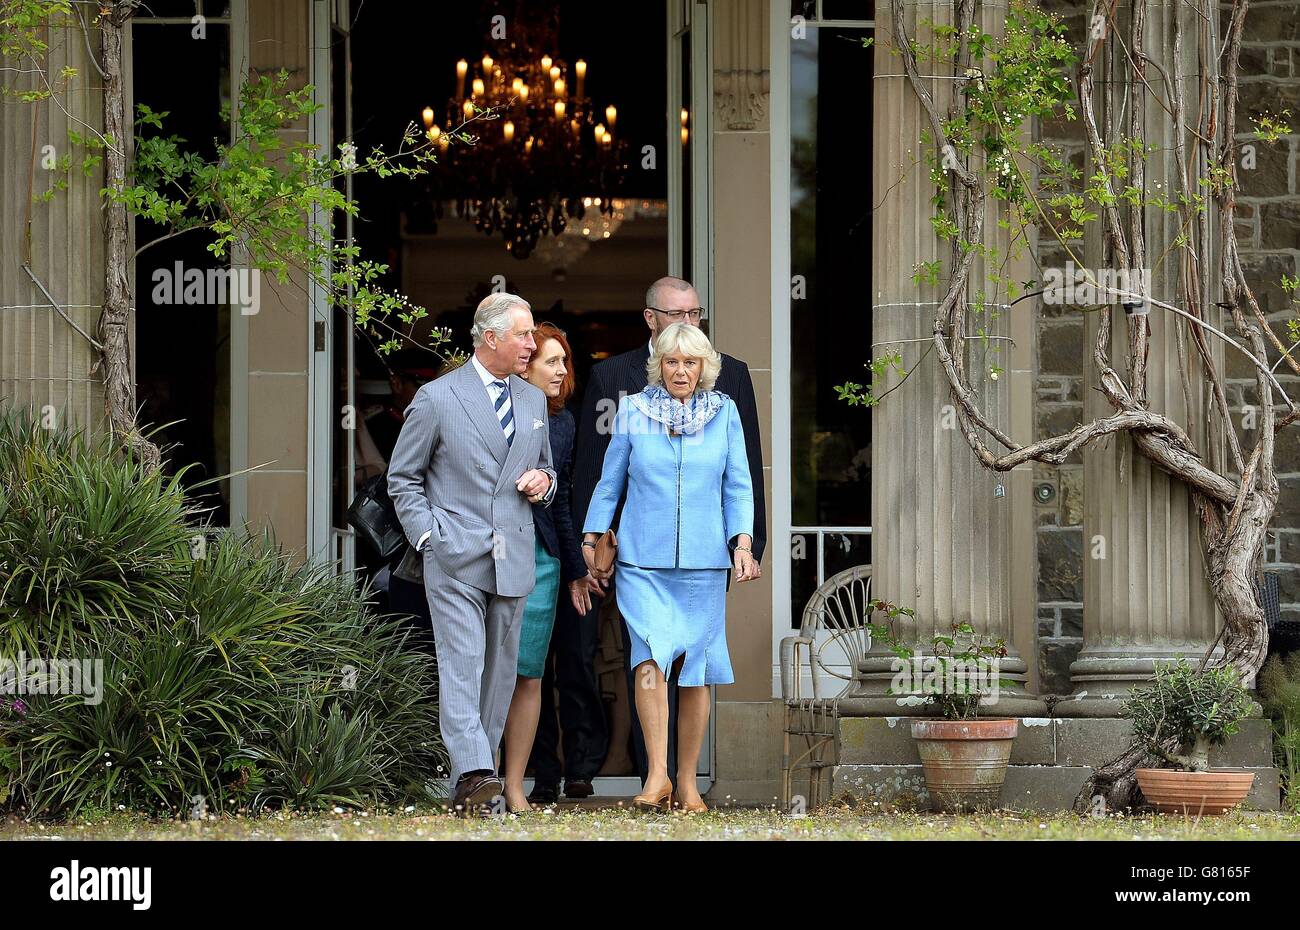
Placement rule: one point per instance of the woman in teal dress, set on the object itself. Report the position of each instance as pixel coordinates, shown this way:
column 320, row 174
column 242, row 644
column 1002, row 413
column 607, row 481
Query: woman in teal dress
column 559, row 562
column 678, row 450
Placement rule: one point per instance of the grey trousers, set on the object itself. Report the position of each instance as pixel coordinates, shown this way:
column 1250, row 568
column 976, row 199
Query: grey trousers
column 476, row 634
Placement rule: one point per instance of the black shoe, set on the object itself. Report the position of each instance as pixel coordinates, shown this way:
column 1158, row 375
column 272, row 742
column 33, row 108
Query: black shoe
column 578, row 788
column 544, row 794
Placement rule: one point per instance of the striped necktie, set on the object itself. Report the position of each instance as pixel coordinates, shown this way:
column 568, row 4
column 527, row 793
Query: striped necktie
column 505, row 415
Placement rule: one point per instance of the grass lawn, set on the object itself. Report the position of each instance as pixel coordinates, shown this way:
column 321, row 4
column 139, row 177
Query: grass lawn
column 615, row 823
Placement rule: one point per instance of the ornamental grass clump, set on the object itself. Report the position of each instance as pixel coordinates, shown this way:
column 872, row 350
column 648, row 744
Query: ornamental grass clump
column 227, row 675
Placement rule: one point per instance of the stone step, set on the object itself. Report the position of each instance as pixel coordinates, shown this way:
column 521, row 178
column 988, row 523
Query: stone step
column 1037, row 788
column 1064, row 741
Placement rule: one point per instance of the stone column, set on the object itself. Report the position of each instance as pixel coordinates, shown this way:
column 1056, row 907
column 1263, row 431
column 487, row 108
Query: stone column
column 1146, row 597
column 941, row 527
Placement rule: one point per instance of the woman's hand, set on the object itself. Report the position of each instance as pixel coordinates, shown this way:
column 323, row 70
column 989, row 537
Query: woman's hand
column 580, row 593
column 589, row 556
column 746, row 566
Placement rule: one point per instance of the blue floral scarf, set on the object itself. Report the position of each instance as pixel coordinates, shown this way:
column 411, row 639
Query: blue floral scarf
column 689, row 417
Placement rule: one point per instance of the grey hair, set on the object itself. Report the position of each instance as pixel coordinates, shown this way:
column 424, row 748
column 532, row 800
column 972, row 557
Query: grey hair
column 494, row 313
column 668, row 281
column 691, row 342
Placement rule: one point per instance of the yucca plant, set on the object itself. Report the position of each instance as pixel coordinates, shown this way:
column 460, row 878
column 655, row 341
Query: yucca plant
column 88, row 537
column 238, row 679
column 314, row 653
column 265, row 683
column 317, row 754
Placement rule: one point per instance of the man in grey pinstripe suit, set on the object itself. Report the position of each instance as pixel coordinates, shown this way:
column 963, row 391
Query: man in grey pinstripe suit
column 473, row 455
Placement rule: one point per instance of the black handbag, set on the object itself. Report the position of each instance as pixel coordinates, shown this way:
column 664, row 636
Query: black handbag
column 374, row 517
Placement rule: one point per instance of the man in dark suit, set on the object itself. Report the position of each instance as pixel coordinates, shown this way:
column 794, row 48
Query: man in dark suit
column 669, row 300
column 573, row 639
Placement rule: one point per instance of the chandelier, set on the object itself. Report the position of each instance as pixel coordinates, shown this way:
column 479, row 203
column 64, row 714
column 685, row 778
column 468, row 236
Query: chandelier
column 544, row 157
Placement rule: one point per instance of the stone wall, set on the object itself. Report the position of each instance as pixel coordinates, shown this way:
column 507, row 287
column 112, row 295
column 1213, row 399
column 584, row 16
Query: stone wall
column 1058, row 406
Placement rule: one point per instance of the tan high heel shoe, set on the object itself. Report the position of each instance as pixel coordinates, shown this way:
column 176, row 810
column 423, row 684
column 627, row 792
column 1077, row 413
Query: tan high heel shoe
column 693, row 808
column 661, row 804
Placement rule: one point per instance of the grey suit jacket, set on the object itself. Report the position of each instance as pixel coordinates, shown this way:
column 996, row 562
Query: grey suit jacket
column 452, row 474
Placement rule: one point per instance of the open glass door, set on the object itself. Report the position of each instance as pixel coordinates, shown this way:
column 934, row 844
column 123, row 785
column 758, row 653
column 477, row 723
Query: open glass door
column 821, row 202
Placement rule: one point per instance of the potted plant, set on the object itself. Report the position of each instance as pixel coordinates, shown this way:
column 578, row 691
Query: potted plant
column 1189, row 710
column 964, row 757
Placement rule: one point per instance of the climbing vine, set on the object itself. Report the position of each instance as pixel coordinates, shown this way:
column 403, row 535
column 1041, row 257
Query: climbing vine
column 983, row 160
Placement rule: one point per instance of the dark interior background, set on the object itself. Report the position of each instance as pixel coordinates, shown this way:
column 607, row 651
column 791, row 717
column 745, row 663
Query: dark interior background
column 403, row 58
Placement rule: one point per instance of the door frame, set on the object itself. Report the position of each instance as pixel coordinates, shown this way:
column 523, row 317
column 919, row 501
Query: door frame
column 693, row 17
column 239, row 64
column 326, row 543
column 779, row 190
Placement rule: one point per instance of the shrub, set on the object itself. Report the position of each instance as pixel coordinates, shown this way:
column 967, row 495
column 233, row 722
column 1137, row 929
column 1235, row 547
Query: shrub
column 241, row 679
column 87, row 538
column 1201, row 708
column 1279, row 687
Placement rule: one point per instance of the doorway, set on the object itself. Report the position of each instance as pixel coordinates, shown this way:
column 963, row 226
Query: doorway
column 468, row 227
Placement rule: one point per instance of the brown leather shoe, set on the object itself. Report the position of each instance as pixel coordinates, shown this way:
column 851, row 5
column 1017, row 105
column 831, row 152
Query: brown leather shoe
column 474, row 790
column 662, row 803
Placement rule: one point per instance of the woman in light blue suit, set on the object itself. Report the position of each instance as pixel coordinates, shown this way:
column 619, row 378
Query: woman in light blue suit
column 678, row 450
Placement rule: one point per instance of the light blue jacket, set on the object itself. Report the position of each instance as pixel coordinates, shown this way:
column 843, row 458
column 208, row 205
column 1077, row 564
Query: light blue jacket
column 687, row 496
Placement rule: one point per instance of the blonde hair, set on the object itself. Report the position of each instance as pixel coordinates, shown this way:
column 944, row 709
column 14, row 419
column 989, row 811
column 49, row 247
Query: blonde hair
column 691, row 342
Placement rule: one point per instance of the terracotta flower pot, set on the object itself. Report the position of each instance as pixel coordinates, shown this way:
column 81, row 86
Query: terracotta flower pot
column 965, row 761
column 1173, row 792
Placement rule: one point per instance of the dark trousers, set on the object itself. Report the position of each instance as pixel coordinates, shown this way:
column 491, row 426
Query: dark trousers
column 571, row 667
column 409, row 599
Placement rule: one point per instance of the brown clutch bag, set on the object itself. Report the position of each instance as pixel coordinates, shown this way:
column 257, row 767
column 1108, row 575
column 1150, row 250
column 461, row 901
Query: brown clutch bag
column 606, row 551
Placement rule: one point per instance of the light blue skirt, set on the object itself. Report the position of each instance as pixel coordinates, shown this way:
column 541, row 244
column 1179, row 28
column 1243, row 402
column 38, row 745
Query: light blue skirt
column 539, row 615
column 674, row 612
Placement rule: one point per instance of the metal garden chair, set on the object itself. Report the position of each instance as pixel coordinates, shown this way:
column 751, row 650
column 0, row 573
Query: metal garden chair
column 833, row 635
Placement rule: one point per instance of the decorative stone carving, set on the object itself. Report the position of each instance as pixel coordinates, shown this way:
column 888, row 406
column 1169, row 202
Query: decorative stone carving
column 741, row 57
column 740, row 100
